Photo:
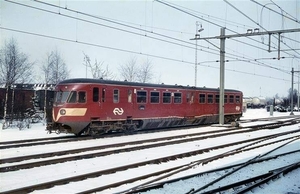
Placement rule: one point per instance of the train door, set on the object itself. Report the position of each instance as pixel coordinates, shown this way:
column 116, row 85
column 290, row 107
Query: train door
column 190, row 108
column 130, row 106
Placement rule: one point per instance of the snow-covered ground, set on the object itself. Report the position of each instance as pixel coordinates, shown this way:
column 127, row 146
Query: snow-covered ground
column 38, row 131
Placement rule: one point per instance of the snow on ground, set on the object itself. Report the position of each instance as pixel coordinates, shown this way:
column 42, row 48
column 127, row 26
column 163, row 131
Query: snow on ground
column 38, row 131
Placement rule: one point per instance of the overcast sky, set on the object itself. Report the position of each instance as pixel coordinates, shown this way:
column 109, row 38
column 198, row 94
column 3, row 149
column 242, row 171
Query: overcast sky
column 114, row 32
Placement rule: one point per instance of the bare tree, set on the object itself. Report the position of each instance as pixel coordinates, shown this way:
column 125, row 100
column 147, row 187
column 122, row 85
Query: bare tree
column 133, row 72
column 56, row 68
column 97, row 69
column 129, row 71
column 14, row 65
column 145, row 73
column 14, row 68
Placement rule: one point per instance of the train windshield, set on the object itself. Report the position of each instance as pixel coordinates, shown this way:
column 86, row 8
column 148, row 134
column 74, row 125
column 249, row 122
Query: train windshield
column 61, row 96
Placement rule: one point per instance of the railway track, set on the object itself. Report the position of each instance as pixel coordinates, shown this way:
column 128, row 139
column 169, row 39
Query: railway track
column 119, row 147
column 71, row 138
column 237, row 185
column 247, row 145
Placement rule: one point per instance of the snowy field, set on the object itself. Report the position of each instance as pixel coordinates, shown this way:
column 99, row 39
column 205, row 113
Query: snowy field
column 289, row 184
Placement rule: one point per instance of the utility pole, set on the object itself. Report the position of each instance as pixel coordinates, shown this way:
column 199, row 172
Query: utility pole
column 292, row 93
column 222, row 76
column 197, row 36
column 222, row 38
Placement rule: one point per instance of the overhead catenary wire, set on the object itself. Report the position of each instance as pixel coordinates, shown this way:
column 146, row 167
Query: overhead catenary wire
column 61, row 14
column 257, row 23
column 123, row 50
column 134, row 52
column 220, row 26
column 290, row 17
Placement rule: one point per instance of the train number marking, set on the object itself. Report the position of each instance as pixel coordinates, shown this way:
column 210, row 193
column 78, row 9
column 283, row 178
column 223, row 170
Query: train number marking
column 118, row 111
column 237, row 108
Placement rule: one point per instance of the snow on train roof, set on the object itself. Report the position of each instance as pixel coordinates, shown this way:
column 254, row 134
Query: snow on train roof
column 126, row 83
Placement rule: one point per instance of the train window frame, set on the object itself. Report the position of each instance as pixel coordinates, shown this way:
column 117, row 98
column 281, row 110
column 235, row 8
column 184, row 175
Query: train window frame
column 231, row 99
column 61, row 96
column 96, row 94
column 141, row 96
column 225, row 99
column 154, row 99
column 82, row 99
column 177, row 97
column 217, row 98
column 202, row 98
column 103, row 95
column 167, row 99
column 72, row 98
column 210, row 98
column 237, row 99
column 116, row 95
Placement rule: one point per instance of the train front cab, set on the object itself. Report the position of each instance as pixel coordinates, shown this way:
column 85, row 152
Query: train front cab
column 69, row 111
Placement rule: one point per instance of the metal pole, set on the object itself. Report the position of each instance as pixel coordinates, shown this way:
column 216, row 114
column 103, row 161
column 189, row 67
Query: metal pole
column 222, row 73
column 292, row 93
column 298, row 92
column 196, row 63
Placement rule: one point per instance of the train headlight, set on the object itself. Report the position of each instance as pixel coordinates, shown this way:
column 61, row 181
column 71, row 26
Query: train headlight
column 62, row 111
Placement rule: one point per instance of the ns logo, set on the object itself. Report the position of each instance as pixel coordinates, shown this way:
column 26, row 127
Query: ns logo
column 118, row 111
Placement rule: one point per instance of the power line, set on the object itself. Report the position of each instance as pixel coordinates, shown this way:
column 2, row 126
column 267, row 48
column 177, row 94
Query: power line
column 116, row 49
column 264, row 6
column 123, row 50
column 175, row 7
column 60, row 14
column 257, row 24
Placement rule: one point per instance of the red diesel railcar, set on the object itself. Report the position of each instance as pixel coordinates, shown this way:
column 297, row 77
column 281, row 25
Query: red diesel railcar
column 94, row 106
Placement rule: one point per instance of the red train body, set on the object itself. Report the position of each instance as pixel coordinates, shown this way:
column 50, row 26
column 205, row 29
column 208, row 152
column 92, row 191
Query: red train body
column 98, row 106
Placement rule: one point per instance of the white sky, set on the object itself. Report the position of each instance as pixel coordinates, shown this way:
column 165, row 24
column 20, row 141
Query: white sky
column 173, row 61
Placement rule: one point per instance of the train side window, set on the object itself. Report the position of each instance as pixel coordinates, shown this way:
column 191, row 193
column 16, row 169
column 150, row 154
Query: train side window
column 103, row 95
column 231, row 99
column 201, row 98
column 210, row 98
column 225, row 99
column 72, row 97
column 237, row 99
column 217, row 100
column 167, row 97
column 154, row 97
column 116, row 96
column 141, row 97
column 81, row 97
column 95, row 94
column 129, row 95
column 177, row 97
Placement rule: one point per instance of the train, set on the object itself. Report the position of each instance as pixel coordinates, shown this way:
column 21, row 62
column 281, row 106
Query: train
column 23, row 97
column 14, row 97
column 97, row 106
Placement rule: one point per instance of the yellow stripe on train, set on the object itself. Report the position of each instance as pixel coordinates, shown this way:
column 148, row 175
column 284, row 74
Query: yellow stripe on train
column 71, row 112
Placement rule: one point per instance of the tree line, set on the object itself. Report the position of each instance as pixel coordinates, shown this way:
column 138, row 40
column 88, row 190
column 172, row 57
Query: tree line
column 16, row 68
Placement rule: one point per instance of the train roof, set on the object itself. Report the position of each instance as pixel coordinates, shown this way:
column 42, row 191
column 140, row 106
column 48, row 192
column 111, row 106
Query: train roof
column 137, row 84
